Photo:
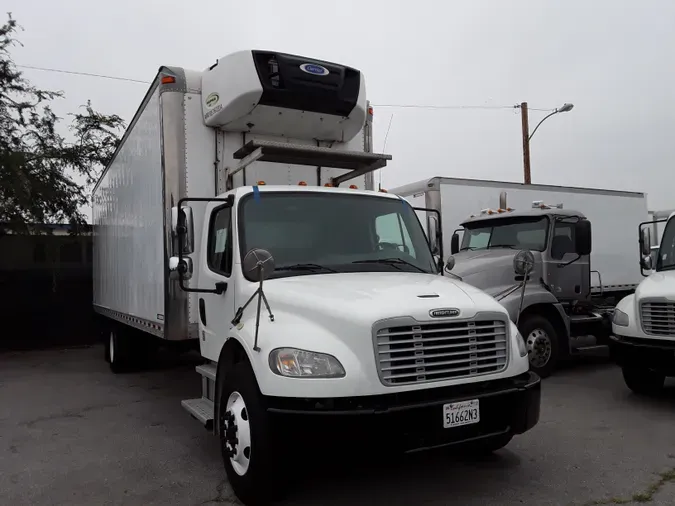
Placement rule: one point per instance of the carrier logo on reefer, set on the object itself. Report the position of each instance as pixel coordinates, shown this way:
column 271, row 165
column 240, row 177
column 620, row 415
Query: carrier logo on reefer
column 444, row 313
column 313, row 68
column 212, row 99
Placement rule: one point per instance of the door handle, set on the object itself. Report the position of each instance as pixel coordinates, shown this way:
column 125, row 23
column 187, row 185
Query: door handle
column 202, row 311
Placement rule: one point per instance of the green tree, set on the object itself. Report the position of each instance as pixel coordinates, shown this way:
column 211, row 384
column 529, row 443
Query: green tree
column 39, row 166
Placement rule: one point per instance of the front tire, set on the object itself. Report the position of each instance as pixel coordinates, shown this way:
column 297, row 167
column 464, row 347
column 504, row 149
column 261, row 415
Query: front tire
column 542, row 343
column 642, row 381
column 489, row 445
column 247, row 439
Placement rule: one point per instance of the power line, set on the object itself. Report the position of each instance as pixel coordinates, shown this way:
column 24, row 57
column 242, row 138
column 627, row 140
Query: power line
column 393, row 106
column 441, row 107
column 87, row 74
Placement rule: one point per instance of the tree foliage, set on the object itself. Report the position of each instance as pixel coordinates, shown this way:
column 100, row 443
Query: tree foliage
column 39, row 167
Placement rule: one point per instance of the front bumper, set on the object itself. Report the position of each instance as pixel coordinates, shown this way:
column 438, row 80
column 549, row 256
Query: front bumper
column 655, row 354
column 412, row 420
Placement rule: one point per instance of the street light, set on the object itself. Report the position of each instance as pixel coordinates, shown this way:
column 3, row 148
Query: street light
column 527, row 135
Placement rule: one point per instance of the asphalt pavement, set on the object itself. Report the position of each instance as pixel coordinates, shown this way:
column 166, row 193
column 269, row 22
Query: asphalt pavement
column 72, row 433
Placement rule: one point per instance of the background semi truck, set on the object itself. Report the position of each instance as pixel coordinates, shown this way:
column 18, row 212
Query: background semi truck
column 643, row 325
column 238, row 214
column 580, row 274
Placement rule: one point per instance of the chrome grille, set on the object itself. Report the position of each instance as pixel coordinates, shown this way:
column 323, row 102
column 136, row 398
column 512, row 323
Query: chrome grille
column 658, row 318
column 423, row 352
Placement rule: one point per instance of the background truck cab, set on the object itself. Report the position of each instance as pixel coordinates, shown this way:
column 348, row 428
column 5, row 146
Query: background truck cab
column 643, row 325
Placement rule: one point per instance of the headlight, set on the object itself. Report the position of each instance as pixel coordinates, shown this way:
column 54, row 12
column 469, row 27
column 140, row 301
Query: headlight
column 522, row 349
column 294, row 363
column 620, row 318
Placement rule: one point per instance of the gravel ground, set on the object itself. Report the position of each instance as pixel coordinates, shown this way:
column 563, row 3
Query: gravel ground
column 73, row 433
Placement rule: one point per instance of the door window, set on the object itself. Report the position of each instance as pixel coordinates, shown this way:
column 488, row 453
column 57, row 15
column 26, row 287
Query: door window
column 563, row 240
column 220, row 242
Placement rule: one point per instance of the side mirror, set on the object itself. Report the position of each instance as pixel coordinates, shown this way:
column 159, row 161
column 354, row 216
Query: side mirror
column 183, row 228
column 646, row 263
column 646, row 242
column 454, row 244
column 432, row 231
column 181, row 268
column 450, row 264
column 583, row 237
column 523, row 263
column 258, row 264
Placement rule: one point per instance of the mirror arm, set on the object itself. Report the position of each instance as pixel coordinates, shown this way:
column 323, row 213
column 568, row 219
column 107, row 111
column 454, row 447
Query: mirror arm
column 181, row 230
column 560, row 265
column 439, row 234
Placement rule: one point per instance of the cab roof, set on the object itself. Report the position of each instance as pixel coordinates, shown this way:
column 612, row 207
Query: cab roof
column 528, row 213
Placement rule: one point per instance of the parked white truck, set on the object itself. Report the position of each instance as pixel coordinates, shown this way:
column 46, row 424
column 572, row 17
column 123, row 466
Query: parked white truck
column 237, row 175
column 579, row 276
column 643, row 325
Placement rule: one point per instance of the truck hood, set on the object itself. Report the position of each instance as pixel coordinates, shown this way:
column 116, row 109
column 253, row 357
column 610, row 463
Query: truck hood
column 490, row 270
column 371, row 296
column 657, row 285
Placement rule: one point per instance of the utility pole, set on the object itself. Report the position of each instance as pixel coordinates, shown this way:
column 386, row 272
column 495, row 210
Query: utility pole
column 526, row 142
column 566, row 107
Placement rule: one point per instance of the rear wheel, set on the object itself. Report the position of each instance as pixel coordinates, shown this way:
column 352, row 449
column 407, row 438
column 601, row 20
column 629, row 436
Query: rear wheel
column 542, row 344
column 642, row 380
column 118, row 351
column 247, row 438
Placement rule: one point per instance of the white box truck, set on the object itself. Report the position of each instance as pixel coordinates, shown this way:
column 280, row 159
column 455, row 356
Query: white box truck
column 574, row 287
column 643, row 324
column 259, row 169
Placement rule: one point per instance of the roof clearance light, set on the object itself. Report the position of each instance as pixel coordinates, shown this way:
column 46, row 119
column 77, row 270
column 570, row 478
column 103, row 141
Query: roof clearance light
column 328, row 185
column 353, row 187
column 302, row 183
column 383, row 190
column 261, row 183
column 370, row 111
column 168, row 79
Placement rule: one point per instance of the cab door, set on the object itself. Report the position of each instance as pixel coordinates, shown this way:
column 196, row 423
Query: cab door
column 216, row 309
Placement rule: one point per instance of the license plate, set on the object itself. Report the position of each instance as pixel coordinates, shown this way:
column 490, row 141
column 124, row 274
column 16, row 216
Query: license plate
column 457, row 414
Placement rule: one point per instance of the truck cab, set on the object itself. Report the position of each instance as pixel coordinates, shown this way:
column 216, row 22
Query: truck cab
column 643, row 325
column 555, row 300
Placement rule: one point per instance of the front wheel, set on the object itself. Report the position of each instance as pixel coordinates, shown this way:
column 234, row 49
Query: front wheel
column 246, row 438
column 643, row 381
column 542, row 344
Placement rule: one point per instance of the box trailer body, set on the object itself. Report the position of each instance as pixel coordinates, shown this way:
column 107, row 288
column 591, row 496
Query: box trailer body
column 264, row 159
column 614, row 256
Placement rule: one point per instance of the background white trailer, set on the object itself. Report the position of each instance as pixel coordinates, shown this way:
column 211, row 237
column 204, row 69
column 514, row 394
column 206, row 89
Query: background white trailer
column 615, row 216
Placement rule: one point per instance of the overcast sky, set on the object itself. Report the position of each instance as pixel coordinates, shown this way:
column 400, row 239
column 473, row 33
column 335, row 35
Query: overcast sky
column 611, row 58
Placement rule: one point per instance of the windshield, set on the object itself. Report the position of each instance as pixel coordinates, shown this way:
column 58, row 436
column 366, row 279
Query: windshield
column 316, row 233
column 517, row 233
column 666, row 258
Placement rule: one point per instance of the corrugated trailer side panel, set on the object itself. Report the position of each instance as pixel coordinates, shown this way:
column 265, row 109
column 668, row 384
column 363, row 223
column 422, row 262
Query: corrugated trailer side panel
column 128, row 218
column 614, row 215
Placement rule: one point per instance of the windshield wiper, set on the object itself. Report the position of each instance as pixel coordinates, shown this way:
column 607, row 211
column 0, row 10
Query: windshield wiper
column 390, row 261
column 510, row 246
column 469, row 248
column 304, row 267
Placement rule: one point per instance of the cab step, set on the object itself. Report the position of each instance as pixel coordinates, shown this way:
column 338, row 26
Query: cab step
column 202, row 409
